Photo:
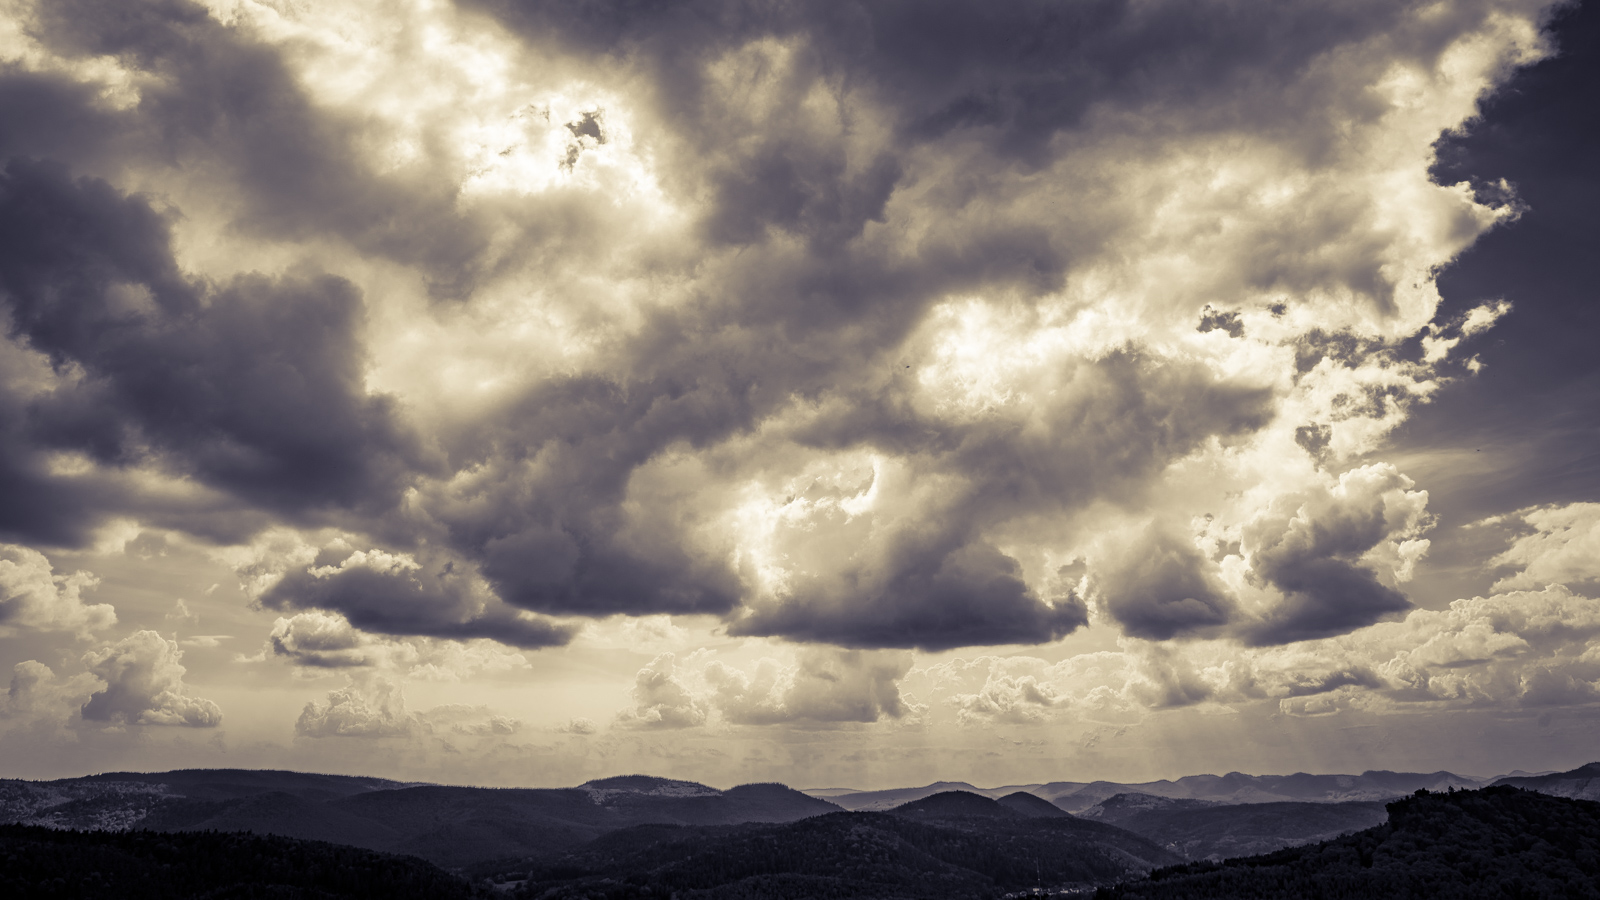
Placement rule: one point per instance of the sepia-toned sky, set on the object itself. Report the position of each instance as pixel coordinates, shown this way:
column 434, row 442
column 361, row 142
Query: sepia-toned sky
column 848, row 394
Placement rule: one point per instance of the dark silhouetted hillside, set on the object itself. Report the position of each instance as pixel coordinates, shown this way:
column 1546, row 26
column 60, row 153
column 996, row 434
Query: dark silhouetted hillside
column 650, row 785
column 228, row 784
column 450, row 826
column 953, row 804
column 136, row 865
column 849, row 855
column 1026, row 804
column 879, row 801
column 1498, row 842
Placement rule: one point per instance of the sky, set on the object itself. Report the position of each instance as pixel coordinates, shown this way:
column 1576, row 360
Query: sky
column 848, row 395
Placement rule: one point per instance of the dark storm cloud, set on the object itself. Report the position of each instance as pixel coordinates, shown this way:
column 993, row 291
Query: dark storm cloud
column 544, row 525
column 1158, row 589
column 255, row 387
column 554, row 541
column 401, row 600
column 549, row 539
column 1314, row 557
column 832, row 189
column 49, row 116
column 39, row 507
column 1312, row 549
column 1326, row 596
column 936, row 599
column 1116, row 423
column 1024, row 70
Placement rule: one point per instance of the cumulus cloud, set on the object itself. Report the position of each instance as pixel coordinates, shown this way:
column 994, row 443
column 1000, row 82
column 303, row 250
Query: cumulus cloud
column 822, row 686
column 328, row 641
column 649, row 634
column 814, row 686
column 1330, row 551
column 1495, row 649
column 1563, row 548
column 1325, row 558
column 1016, row 699
column 26, row 677
column 42, row 702
column 375, row 708
column 853, row 327
column 470, row 721
column 580, row 725
column 30, row 679
column 322, row 640
column 1156, row 586
column 143, row 679
column 662, row 700
column 1161, row 677
column 1511, row 650
column 34, row 598
column 384, row 592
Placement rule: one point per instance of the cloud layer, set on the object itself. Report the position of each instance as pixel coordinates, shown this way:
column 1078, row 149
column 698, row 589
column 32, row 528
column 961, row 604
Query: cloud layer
column 816, row 688
column 887, row 327
column 1533, row 645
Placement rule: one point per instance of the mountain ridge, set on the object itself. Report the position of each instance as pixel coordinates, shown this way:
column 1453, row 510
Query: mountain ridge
column 444, row 824
column 1233, row 787
column 463, row 826
column 1494, row 842
column 1582, row 783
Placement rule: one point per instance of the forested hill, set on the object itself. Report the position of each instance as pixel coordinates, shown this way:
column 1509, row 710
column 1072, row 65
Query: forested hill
column 1498, row 842
column 930, row 856
column 147, row 865
column 446, row 825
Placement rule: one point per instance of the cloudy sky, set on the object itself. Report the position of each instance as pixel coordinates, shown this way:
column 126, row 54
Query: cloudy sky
column 850, row 394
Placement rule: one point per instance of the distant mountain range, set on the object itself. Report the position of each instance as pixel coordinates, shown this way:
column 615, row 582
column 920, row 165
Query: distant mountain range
column 1233, row 788
column 1582, row 783
column 450, row 826
column 1196, row 817
column 1495, row 842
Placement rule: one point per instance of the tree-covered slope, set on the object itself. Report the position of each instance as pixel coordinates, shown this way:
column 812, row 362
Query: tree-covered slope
column 860, row 855
column 1498, row 842
column 447, row 825
column 148, row 865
